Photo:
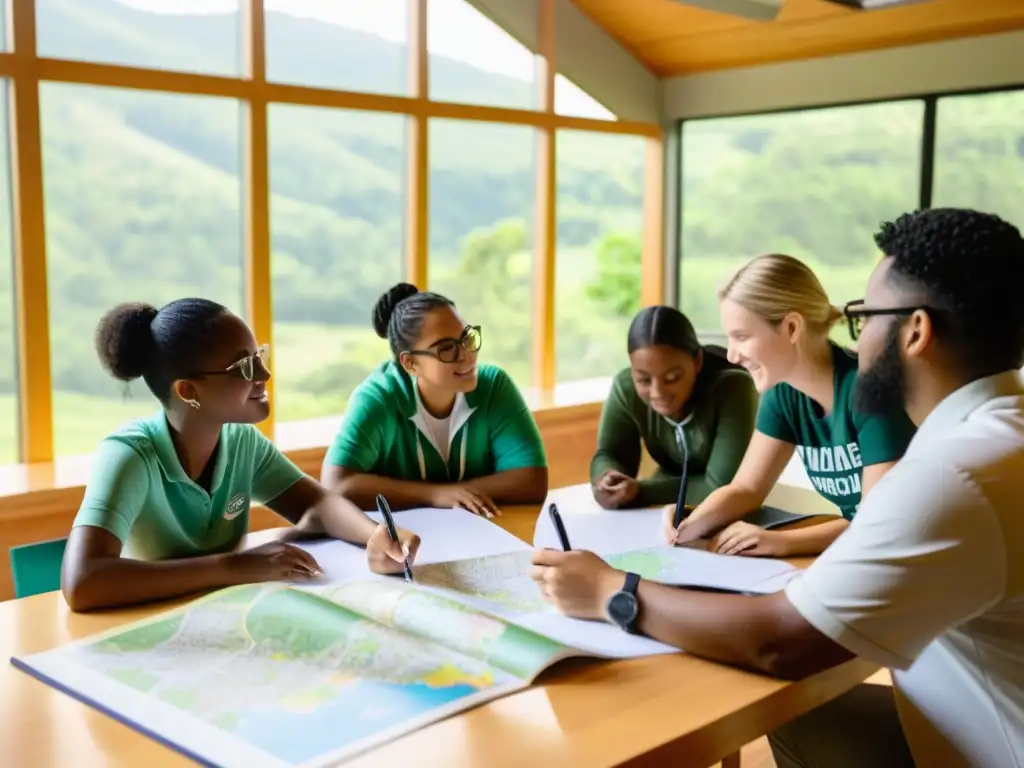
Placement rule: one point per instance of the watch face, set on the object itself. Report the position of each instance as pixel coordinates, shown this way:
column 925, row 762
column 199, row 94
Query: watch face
column 622, row 608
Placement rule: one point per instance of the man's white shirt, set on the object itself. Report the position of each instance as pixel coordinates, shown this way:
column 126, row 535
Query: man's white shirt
column 929, row 577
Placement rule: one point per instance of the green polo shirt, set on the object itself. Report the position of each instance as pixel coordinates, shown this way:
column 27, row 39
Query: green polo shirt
column 835, row 447
column 383, row 432
column 139, row 492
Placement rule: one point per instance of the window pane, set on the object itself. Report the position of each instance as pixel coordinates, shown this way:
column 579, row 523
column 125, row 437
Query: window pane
column 482, row 198
column 474, row 61
column 143, row 203
column 979, row 154
column 337, row 208
column 573, row 101
column 8, row 339
column 600, row 230
column 813, row 184
column 351, row 45
column 188, row 35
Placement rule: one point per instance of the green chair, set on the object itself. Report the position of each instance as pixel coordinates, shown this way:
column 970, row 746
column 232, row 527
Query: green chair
column 36, row 567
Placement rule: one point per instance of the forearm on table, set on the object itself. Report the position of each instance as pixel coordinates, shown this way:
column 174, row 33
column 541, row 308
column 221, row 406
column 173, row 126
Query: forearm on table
column 723, row 506
column 528, row 485
column 812, row 539
column 750, row 632
column 116, row 581
column 362, row 489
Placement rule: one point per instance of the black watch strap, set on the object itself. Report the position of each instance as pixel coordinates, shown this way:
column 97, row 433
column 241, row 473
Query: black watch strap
column 632, row 582
column 629, row 603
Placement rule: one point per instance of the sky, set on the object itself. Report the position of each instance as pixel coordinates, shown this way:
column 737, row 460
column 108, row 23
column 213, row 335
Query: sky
column 456, row 30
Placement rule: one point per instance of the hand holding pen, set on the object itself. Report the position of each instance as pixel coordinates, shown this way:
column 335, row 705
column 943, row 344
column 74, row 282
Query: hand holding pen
column 391, row 549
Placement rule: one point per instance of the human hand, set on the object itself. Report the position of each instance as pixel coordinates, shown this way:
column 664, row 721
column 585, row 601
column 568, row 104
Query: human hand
column 386, row 556
column 685, row 533
column 577, row 583
column 460, row 496
column 745, row 539
column 274, row 561
column 614, row 489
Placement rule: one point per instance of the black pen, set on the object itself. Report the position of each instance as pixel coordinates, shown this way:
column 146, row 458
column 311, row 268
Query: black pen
column 684, row 481
column 385, row 511
column 556, row 519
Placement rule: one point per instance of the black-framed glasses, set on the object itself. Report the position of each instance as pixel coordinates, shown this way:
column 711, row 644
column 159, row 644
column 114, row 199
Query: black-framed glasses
column 447, row 350
column 856, row 313
column 245, row 367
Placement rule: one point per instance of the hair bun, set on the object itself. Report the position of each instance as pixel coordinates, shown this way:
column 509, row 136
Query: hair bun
column 385, row 306
column 124, row 340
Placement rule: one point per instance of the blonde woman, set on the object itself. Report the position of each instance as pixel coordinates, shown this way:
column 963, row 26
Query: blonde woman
column 778, row 318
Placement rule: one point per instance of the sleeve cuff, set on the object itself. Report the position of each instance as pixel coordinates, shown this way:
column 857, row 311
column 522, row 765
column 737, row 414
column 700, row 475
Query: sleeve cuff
column 817, row 615
column 109, row 520
column 284, row 479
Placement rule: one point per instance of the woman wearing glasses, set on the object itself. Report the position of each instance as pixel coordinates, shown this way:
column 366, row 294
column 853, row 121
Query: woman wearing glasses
column 431, row 427
column 168, row 501
column 778, row 319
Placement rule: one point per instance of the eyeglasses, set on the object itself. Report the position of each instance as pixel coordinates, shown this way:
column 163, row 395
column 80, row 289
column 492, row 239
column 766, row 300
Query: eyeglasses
column 447, row 350
column 246, row 367
column 856, row 313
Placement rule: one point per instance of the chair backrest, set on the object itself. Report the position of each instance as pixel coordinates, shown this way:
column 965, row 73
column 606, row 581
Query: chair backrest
column 36, row 567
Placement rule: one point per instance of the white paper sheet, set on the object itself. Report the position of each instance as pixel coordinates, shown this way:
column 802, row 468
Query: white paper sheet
column 589, row 526
column 445, row 534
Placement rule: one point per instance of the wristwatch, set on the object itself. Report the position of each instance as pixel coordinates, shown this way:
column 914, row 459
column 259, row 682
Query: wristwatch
column 623, row 608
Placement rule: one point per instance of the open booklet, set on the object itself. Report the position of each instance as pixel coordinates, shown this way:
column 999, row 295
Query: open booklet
column 274, row 675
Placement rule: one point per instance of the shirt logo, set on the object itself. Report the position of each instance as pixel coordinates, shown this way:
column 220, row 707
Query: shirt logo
column 238, row 504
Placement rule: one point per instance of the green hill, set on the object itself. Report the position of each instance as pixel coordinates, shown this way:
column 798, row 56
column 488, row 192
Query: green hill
column 144, row 201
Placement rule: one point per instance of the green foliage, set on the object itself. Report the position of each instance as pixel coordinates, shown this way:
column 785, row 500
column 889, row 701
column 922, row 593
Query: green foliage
column 144, row 201
column 617, row 284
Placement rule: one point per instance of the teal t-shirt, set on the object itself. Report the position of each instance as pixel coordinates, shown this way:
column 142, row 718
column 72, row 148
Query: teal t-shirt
column 139, row 491
column 384, row 431
column 834, row 447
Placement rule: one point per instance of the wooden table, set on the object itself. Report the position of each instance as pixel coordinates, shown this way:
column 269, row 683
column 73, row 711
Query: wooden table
column 668, row 710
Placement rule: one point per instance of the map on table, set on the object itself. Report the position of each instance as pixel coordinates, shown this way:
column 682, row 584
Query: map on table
column 278, row 675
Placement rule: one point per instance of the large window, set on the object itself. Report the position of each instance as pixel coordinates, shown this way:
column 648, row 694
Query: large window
column 474, row 61
column 188, row 35
column 149, row 125
column 813, row 184
column 143, row 203
column 482, row 198
column 351, row 45
column 8, row 345
column 979, row 154
column 337, row 209
column 600, row 221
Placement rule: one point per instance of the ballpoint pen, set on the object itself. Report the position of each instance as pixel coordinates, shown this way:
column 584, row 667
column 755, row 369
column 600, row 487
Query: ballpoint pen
column 556, row 519
column 389, row 521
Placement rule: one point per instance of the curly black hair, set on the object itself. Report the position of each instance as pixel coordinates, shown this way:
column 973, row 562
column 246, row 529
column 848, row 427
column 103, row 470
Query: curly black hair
column 965, row 265
column 136, row 339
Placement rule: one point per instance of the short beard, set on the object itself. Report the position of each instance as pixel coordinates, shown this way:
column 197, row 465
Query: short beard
column 882, row 388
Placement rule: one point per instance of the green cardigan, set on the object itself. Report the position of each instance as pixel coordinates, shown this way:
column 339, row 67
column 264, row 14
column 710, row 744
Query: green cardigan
column 718, row 429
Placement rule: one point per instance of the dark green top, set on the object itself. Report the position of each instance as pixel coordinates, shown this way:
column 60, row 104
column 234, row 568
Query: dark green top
column 835, row 447
column 717, row 431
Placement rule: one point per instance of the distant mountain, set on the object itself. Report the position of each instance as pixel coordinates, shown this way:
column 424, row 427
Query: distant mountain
column 144, row 191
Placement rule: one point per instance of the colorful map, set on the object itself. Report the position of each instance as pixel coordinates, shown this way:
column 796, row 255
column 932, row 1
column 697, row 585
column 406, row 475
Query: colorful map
column 500, row 579
column 654, row 563
column 448, row 623
column 288, row 673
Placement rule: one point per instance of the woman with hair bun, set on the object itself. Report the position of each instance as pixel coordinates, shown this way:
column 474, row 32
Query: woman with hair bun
column 778, row 318
column 168, row 501
column 431, row 427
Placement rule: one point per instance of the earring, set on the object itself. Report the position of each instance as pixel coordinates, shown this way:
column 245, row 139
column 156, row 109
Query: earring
column 193, row 402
